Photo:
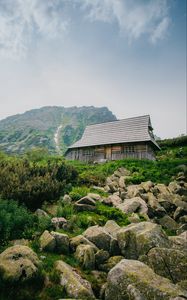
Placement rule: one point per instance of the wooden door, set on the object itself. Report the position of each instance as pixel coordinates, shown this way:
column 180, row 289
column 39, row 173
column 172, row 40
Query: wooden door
column 108, row 152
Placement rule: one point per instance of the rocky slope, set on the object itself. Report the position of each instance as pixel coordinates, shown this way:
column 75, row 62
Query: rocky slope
column 144, row 260
column 54, row 128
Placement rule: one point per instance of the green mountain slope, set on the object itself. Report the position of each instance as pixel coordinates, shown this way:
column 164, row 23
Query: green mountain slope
column 52, row 127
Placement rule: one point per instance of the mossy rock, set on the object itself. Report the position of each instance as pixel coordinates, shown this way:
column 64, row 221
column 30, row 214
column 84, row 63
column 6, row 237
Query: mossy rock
column 18, row 264
column 137, row 239
column 169, row 263
column 131, row 277
column 75, row 286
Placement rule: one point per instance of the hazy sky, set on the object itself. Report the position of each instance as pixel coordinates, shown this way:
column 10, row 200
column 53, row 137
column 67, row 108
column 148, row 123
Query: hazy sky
column 128, row 55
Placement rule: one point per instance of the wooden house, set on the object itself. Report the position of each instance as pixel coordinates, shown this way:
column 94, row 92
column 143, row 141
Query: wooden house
column 128, row 138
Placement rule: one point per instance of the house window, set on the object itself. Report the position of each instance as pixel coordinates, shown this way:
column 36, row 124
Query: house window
column 116, row 150
column 88, row 152
column 129, row 149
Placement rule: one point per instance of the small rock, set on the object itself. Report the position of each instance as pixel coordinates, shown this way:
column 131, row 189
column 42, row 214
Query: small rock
column 101, row 256
column 59, row 222
column 168, row 223
column 112, row 200
column 62, row 242
column 47, row 241
column 80, row 240
column 41, row 213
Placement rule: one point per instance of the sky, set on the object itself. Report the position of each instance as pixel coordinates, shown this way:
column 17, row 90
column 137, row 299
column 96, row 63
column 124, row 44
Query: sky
column 128, row 55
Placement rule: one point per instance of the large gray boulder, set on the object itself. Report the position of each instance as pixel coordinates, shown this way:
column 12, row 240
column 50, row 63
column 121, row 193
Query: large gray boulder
column 131, row 279
column 133, row 205
column 18, row 264
column 102, row 239
column 85, row 255
column 137, row 239
column 74, row 285
column 169, row 263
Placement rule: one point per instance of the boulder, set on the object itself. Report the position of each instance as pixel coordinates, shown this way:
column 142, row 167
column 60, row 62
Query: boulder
column 41, row 213
column 135, row 204
column 62, row 242
column 168, row 223
column 134, row 190
column 59, row 222
column 74, row 285
column 167, row 204
column 132, row 279
column 147, row 185
column 85, row 255
column 113, row 200
column 179, row 241
column 102, row 239
column 153, row 202
column 122, row 182
column 169, row 263
column 178, row 201
column 18, row 264
column 137, row 239
column 173, row 187
column 80, row 240
column 85, row 204
column 47, row 241
column 162, row 189
column 179, row 212
column 111, row 227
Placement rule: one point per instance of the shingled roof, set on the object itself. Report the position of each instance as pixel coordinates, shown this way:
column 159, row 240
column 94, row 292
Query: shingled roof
column 121, row 131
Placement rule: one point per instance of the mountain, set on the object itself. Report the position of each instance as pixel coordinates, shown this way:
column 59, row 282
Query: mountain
column 52, row 127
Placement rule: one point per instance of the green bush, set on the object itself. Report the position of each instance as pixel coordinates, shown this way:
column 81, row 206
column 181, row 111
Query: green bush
column 65, row 210
column 112, row 213
column 79, row 192
column 15, row 221
column 33, row 182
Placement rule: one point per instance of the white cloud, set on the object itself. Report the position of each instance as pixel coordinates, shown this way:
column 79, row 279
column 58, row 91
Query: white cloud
column 21, row 19
column 134, row 18
column 160, row 30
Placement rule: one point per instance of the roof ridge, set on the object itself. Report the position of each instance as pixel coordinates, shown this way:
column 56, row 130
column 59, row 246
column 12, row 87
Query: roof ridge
column 115, row 121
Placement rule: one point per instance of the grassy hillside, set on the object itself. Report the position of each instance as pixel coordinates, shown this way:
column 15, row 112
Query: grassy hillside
column 39, row 127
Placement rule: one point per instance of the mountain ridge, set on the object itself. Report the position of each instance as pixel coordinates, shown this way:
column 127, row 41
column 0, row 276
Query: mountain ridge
column 52, row 127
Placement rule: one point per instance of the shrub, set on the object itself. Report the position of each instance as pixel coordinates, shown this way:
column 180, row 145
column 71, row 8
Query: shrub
column 33, row 182
column 79, row 192
column 15, row 221
column 112, row 213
